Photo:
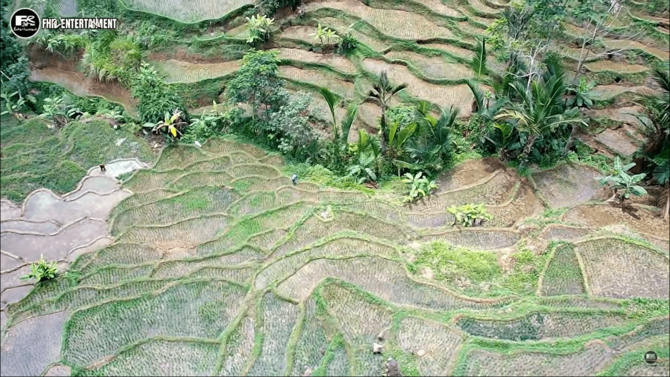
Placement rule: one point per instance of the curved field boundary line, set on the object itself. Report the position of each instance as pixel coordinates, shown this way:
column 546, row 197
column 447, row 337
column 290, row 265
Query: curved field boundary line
column 314, row 65
column 131, row 346
column 326, row 11
column 113, row 216
column 89, row 244
column 14, row 268
column 487, row 317
column 481, row 182
column 230, row 14
column 621, row 239
column 6, row 253
column 26, row 221
column 420, row 75
column 409, row 276
column 61, row 229
column 474, row 230
column 152, row 226
column 64, row 197
column 589, row 236
column 331, row 238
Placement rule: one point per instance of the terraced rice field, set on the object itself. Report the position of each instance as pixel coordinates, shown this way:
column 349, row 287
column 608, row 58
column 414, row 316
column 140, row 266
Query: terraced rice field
column 216, row 264
column 211, row 262
column 188, row 12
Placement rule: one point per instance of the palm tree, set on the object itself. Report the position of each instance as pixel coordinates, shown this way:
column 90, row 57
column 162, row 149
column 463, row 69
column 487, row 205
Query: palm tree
column 540, row 110
column 431, row 148
column 382, row 92
column 340, row 133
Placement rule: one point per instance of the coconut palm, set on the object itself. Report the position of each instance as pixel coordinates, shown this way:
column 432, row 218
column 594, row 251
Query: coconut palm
column 540, row 110
column 342, row 132
column 382, row 92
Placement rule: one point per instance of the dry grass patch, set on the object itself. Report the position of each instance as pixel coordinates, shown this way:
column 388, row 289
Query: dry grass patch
column 451, row 49
column 607, row 92
column 394, row 23
column 188, row 11
column 315, row 77
column 178, row 71
column 618, row 269
column 341, row 27
column 616, row 44
column 601, row 215
column 480, row 6
column 435, row 67
column 607, row 65
column 458, row 96
column 338, row 62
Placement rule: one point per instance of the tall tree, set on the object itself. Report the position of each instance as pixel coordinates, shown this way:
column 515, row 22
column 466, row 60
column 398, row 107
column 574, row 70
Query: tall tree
column 596, row 18
column 257, row 84
column 382, row 92
column 526, row 32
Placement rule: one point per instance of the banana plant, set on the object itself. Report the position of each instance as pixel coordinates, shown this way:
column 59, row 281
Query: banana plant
column 171, row 122
column 469, row 214
column 362, row 171
column 13, row 106
column 418, row 186
column 621, row 180
column 259, row 28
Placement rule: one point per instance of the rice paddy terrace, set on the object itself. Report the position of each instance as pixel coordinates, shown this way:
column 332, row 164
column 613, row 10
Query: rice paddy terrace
column 212, row 262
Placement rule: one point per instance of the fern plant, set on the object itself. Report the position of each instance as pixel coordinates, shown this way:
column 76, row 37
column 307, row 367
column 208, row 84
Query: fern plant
column 41, row 270
column 469, row 214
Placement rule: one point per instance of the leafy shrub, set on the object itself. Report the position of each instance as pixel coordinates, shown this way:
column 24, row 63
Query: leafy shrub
column 347, row 44
column 470, row 214
column 65, row 43
column 417, row 186
column 362, row 170
column 155, row 96
column 269, row 7
column 257, row 84
column 42, row 270
column 150, row 35
column 582, row 94
column 289, row 128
